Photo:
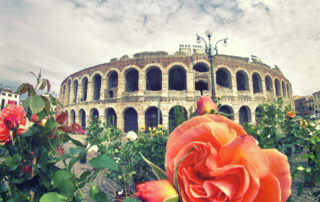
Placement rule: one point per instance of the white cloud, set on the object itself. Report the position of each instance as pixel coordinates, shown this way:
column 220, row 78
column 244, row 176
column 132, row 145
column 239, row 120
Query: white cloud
column 62, row 37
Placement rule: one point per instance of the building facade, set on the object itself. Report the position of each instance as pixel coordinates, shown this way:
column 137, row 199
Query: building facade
column 7, row 95
column 300, row 103
column 310, row 105
column 128, row 89
column 316, row 101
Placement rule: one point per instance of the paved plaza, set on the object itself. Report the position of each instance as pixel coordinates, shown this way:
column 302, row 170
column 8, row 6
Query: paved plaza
column 106, row 187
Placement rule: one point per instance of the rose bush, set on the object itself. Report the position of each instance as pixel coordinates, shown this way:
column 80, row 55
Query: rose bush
column 226, row 163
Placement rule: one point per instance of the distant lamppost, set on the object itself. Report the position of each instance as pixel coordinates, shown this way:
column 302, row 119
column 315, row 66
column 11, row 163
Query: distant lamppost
column 211, row 52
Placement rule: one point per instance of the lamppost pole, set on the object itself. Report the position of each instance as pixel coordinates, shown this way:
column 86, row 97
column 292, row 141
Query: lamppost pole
column 211, row 52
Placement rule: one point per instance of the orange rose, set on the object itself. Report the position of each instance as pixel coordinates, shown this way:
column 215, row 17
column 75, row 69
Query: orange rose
column 205, row 105
column 226, row 163
column 291, row 114
column 155, row 191
column 11, row 114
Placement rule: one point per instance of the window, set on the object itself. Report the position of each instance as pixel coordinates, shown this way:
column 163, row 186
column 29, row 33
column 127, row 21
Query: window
column 15, row 96
column 9, row 95
column 3, row 93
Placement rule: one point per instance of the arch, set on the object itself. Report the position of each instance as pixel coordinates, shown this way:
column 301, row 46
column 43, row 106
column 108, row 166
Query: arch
column 227, row 110
column 73, row 116
column 132, row 80
column 201, row 67
column 177, row 64
column 288, row 90
column 316, row 112
column 151, row 117
column 242, row 81
column 201, row 86
column 69, row 91
column 130, row 120
column 64, row 93
column 112, row 79
column 283, row 89
column 84, row 83
column 172, row 124
column 96, row 86
column 82, row 114
column 277, row 87
column 111, row 116
column 256, row 83
column 153, row 79
column 268, row 81
column 110, row 94
column 67, row 120
column 244, row 115
column 75, row 90
column 223, row 77
column 152, row 65
column 177, row 78
column 94, row 112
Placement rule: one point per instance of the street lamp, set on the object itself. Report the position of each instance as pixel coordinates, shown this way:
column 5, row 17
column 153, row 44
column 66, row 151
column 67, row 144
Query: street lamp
column 211, row 52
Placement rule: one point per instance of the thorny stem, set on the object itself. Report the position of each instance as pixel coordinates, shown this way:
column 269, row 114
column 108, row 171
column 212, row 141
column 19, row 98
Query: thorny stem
column 21, row 192
column 105, row 170
column 82, row 195
column 34, row 162
column 58, row 155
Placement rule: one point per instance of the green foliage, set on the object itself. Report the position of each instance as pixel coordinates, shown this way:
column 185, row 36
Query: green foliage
column 179, row 117
column 94, row 129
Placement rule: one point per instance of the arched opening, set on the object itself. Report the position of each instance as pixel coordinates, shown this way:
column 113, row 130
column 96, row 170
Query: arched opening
column 94, row 112
column 177, row 79
column 277, row 86
column 130, row 120
column 284, row 89
column 151, row 117
column 82, row 114
column 67, row 120
column 288, row 90
column 244, row 115
column 316, row 112
column 154, row 80
column 200, row 67
column 201, row 86
column 75, row 90
column 97, row 86
column 73, row 116
column 69, row 91
column 227, row 110
column 242, row 81
column 257, row 83
column 132, row 80
column 111, row 116
column 110, row 94
column 172, row 116
column 84, row 89
column 113, row 79
column 64, row 94
column 223, row 78
column 268, row 83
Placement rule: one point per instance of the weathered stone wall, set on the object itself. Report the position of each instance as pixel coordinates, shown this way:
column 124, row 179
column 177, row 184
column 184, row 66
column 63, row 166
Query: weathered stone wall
column 142, row 99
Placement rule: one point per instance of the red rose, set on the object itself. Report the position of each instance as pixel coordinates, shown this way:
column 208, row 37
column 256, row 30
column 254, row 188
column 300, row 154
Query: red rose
column 27, row 169
column 226, row 163
column 35, row 118
column 11, row 111
column 11, row 102
column 61, row 118
column 205, row 105
column 155, row 191
column 11, row 121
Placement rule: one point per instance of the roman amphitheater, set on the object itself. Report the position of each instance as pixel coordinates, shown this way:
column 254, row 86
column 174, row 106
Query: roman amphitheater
column 129, row 88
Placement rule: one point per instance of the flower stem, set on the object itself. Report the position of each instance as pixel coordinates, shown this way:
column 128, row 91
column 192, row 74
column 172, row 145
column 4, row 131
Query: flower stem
column 82, row 195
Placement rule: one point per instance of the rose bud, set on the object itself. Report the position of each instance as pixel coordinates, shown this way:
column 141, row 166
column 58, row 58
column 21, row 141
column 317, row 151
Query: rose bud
column 291, row 114
column 43, row 122
column 205, row 105
column 155, row 191
column 35, row 118
column 11, row 122
column 27, row 169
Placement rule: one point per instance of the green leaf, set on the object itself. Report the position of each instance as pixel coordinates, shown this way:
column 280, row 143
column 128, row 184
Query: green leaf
column 308, row 170
column 74, row 160
column 175, row 175
column 44, row 179
column 301, row 186
column 59, row 176
column 43, row 159
column 300, row 168
column 103, row 161
column 36, row 104
column 96, row 142
column 51, row 124
column 43, row 85
column 66, row 188
column 161, row 175
column 13, row 161
column 76, row 142
column 73, row 151
column 52, row 197
column 102, row 197
column 128, row 199
column 36, row 138
column 304, row 156
column 93, row 190
column 26, row 103
column 174, row 198
column 318, row 181
column 84, row 175
column 311, row 156
column 47, row 104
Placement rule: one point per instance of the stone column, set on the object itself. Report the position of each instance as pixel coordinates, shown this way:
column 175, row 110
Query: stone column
column 120, row 121
column 264, row 89
column 103, row 88
column 190, row 86
column 165, row 85
column 102, row 117
column 78, row 120
column 79, row 93
column 71, row 95
column 90, row 91
column 66, row 96
column 165, row 121
column 121, row 86
column 236, row 116
column 69, row 118
column 234, row 86
column 250, row 83
column 142, row 82
column 141, row 120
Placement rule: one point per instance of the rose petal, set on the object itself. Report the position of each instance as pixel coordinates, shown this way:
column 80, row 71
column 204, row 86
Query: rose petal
column 222, row 119
column 280, row 168
column 269, row 189
column 244, row 146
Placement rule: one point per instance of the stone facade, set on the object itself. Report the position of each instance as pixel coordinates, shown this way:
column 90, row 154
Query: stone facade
column 129, row 88
column 316, row 101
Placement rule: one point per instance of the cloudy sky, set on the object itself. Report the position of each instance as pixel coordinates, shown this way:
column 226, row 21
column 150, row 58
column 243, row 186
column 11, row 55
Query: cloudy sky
column 61, row 37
